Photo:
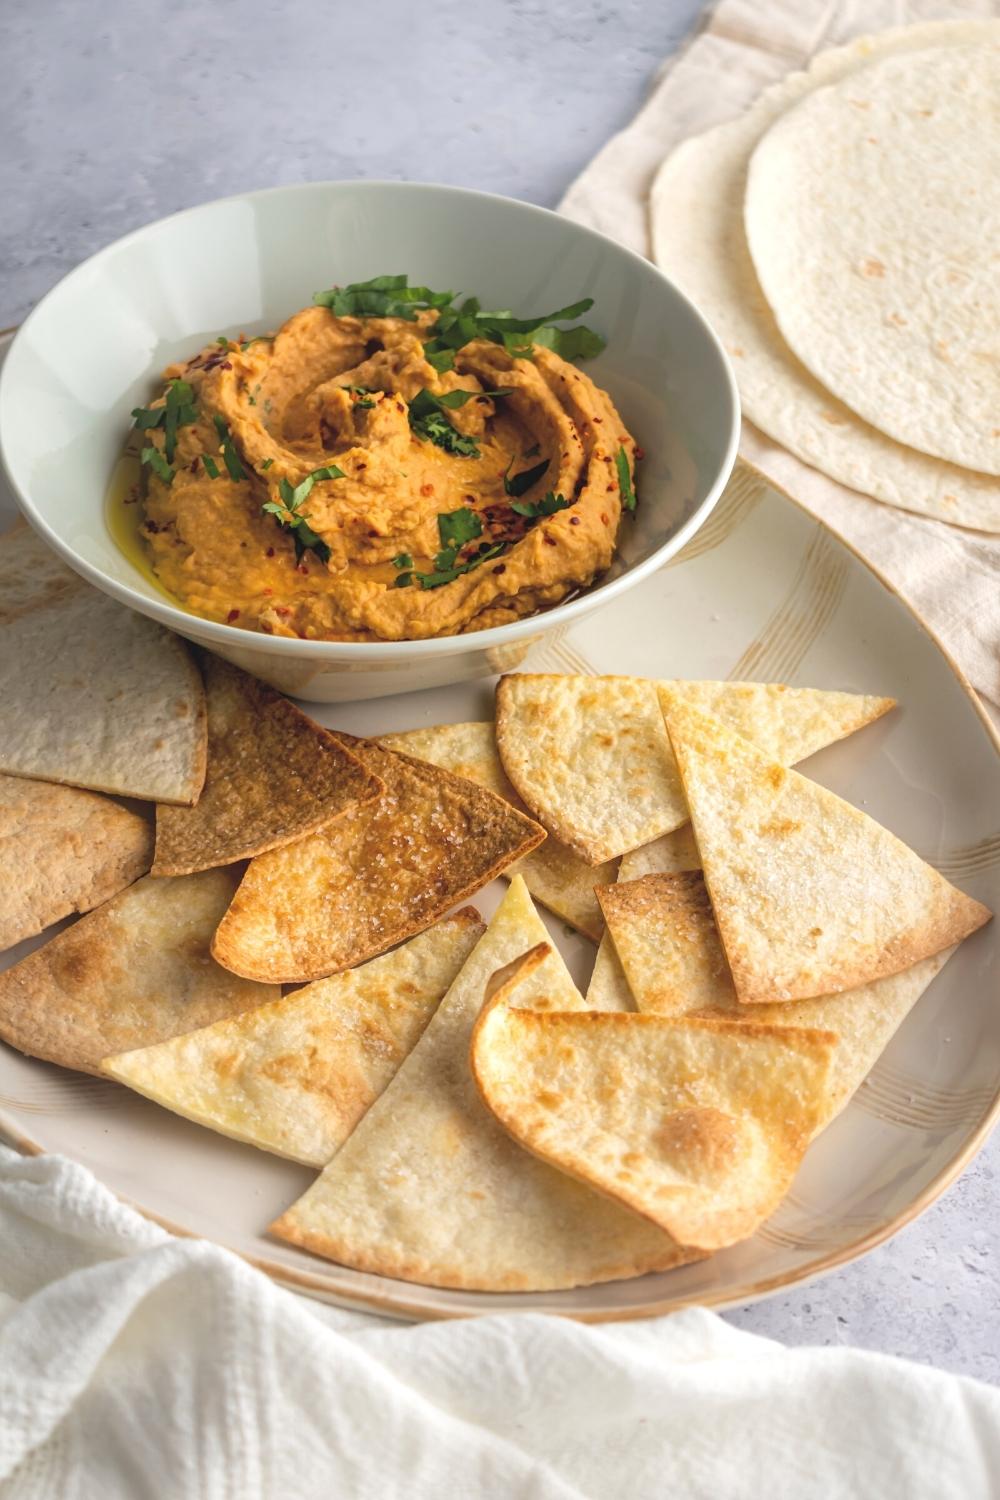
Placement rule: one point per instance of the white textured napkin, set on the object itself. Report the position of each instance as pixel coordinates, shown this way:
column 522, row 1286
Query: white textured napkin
column 134, row 1365
column 950, row 575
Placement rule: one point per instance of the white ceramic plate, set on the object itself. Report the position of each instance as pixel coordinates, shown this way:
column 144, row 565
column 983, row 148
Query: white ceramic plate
column 762, row 592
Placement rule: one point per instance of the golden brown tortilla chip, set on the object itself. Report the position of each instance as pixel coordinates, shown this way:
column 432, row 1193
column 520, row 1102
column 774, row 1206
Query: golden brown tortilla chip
column 810, row 894
column 62, row 851
column 93, row 694
column 135, row 971
column 430, row 1188
column 296, row 1076
column 272, row 777
column 591, row 760
column 698, row 1125
column 379, row 874
column 665, row 937
column 554, row 875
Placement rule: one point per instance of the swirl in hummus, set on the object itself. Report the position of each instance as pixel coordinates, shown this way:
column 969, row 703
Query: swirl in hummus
column 338, row 481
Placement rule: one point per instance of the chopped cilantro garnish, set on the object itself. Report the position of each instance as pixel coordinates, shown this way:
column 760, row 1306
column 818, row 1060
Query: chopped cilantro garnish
column 533, row 451
column 442, row 576
column 519, row 484
column 402, row 580
column 443, row 360
column 547, row 506
column 178, row 410
column 428, row 421
column 230, row 457
column 625, row 480
column 222, row 341
column 457, row 527
column 290, row 515
column 211, row 467
column 266, row 464
column 402, row 560
column 382, row 297
column 154, row 458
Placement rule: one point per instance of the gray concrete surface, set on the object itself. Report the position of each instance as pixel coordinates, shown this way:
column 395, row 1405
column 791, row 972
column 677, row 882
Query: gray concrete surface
column 116, row 114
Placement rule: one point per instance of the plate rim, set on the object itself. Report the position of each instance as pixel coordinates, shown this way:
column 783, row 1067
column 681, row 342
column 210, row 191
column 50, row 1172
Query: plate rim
column 411, row 1307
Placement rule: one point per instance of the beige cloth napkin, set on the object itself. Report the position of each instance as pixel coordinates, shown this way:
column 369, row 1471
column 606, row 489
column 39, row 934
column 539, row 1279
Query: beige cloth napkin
column 950, row 575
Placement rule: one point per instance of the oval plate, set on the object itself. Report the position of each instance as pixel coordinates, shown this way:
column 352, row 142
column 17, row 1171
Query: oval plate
column 764, row 592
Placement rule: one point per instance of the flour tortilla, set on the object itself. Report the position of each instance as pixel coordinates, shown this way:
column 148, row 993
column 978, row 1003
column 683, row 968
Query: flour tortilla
column 609, row 988
column 378, row 874
column 430, row 1188
column 668, row 945
column 872, row 214
column 590, row 758
column 63, row 851
column 31, row 575
column 554, row 875
column 696, row 215
column 272, row 777
column 135, row 971
column 699, row 1125
column 91, row 693
column 810, row 895
column 295, row 1076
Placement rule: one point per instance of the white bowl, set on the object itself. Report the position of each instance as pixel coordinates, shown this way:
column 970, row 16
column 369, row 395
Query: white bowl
column 94, row 347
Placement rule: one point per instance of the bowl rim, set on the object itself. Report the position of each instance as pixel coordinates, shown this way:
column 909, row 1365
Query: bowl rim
column 187, row 623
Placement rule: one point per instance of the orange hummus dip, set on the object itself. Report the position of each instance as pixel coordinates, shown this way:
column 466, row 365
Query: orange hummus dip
column 331, row 482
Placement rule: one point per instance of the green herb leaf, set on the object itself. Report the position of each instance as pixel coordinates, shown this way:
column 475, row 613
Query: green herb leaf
column 402, row 560
column 147, row 417
column 533, row 451
column 230, row 457
column 436, row 428
column 266, row 464
column 443, row 360
column 291, row 516
column 456, row 399
column 571, row 343
column 547, row 506
column 625, row 489
column 518, row 484
column 211, row 467
column 222, row 341
column 457, row 527
column 442, row 576
column 179, row 411
column 381, row 297
column 293, row 498
column 402, row 580
column 156, row 461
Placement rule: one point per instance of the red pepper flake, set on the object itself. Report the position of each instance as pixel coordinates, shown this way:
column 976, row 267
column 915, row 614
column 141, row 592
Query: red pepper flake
column 550, row 540
column 598, row 419
column 574, row 520
column 500, row 568
column 267, row 591
column 640, row 453
column 193, row 466
column 265, row 626
column 225, row 365
column 301, row 568
column 399, row 406
column 282, row 609
column 611, row 488
column 427, row 489
column 233, row 614
column 605, row 519
column 269, row 552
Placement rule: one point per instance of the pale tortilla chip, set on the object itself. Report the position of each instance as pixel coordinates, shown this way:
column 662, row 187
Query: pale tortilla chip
column 609, row 988
column 554, row 875
column 590, row 758
column 272, row 777
column 809, row 893
column 295, row 1076
column 430, row 1188
column 62, row 851
column 134, row 972
column 379, row 874
column 93, row 694
column 699, row 1125
column 671, row 958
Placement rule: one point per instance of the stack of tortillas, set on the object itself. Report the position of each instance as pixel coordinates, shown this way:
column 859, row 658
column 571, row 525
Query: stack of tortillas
column 842, row 236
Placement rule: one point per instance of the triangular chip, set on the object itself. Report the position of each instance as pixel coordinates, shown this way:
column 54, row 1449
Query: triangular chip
column 665, row 938
column 699, row 1125
column 430, row 1188
column 609, row 987
column 590, row 758
column 272, row 777
column 379, row 874
column 296, row 1076
column 62, row 851
column 135, row 971
column 810, row 894
column 554, row 875
column 93, row 694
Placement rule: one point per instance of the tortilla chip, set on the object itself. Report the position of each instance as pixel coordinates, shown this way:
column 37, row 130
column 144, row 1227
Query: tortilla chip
column 590, row 758
column 810, row 894
column 379, row 874
column 429, row 1187
column 296, row 1076
column 698, row 1125
column 672, row 962
column 62, row 851
column 134, row 972
column 554, row 875
column 272, row 777
column 93, row 694
column 609, row 988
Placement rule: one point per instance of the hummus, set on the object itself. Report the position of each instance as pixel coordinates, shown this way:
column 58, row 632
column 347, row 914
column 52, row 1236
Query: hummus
column 303, row 496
